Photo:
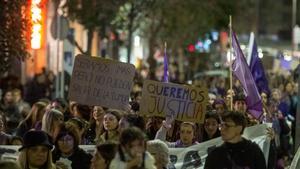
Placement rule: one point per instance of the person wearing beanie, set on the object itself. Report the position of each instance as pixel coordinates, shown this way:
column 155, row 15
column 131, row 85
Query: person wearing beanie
column 35, row 152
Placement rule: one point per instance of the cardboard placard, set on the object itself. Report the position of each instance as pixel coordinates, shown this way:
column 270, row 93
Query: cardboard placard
column 97, row 81
column 186, row 103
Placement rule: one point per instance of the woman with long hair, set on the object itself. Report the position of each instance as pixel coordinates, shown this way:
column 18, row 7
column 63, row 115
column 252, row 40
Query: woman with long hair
column 96, row 128
column 52, row 121
column 35, row 115
column 111, row 124
column 36, row 151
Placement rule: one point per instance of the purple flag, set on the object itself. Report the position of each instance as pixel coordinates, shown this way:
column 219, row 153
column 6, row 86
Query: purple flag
column 242, row 72
column 166, row 70
column 257, row 70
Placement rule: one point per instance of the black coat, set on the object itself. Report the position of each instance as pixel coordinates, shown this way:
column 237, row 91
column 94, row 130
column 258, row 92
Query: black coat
column 244, row 154
column 80, row 159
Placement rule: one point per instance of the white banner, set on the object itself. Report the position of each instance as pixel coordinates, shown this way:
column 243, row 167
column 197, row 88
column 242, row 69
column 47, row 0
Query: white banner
column 194, row 156
column 182, row 158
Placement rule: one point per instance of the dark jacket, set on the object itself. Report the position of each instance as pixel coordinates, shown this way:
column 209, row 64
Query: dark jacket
column 243, row 155
column 80, row 159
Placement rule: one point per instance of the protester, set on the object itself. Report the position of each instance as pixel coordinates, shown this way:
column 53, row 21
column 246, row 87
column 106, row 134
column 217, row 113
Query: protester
column 82, row 111
column 132, row 152
column 33, row 118
column 110, row 123
column 211, row 126
column 36, row 151
column 103, row 155
column 96, row 128
column 36, row 89
column 153, row 125
column 159, row 150
column 81, row 126
column 220, row 106
column 186, row 133
column 11, row 111
column 236, row 151
column 67, row 151
column 23, row 107
column 51, row 122
column 61, row 105
column 131, row 120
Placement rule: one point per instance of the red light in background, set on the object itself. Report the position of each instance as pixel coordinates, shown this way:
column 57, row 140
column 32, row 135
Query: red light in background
column 191, row 48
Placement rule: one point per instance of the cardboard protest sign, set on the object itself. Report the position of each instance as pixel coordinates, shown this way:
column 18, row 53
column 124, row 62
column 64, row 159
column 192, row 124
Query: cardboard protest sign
column 97, row 81
column 185, row 103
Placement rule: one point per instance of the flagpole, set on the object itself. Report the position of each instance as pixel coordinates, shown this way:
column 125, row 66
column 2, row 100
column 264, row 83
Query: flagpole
column 230, row 62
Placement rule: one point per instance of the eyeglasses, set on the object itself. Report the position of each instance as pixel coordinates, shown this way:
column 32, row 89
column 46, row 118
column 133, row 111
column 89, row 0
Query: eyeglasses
column 226, row 125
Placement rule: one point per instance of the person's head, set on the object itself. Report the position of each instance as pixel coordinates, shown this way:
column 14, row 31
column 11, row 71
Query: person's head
column 232, row 126
column 159, row 150
column 9, row 164
column 72, row 107
column 8, row 97
column 52, row 121
column 289, row 87
column 276, row 95
column 187, row 133
column 16, row 140
column 212, row 97
column 220, row 106
column 229, row 95
column 41, row 78
column 211, row 123
column 36, row 150
column 67, row 140
column 59, row 104
column 133, row 140
column 82, row 111
column 111, row 120
column 79, row 125
column 103, row 155
column 130, row 120
column 264, row 98
column 98, row 113
column 36, row 113
column 239, row 103
column 17, row 95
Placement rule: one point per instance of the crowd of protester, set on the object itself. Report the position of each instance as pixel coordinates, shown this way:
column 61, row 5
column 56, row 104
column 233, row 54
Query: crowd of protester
column 50, row 130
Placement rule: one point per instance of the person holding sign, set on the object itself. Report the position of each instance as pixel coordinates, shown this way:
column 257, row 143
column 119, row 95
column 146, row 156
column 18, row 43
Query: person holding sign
column 236, row 151
column 187, row 134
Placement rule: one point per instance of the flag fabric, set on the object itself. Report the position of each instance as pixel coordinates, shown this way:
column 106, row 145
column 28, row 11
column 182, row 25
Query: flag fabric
column 257, row 71
column 242, row 73
column 166, row 69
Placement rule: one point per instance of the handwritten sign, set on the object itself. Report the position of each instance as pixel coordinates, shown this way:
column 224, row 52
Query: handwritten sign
column 97, row 81
column 186, row 103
